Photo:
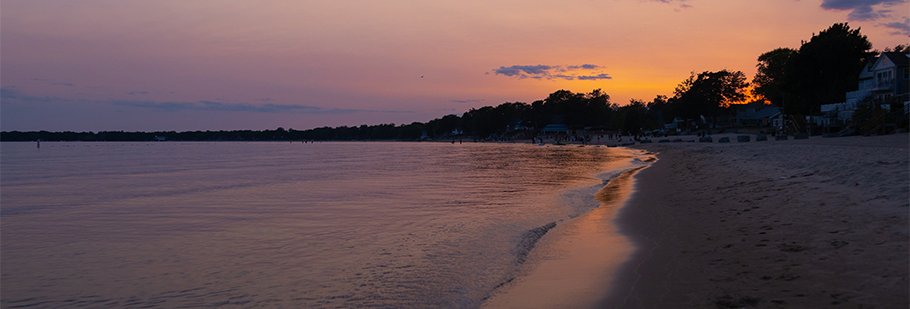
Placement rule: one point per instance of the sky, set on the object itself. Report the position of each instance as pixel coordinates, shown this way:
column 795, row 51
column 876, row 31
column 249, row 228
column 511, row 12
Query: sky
column 96, row 65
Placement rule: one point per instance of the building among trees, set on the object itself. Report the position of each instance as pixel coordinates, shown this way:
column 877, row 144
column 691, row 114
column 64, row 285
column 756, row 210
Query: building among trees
column 884, row 83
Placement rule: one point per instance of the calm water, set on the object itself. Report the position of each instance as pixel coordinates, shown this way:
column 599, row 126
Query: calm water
column 280, row 224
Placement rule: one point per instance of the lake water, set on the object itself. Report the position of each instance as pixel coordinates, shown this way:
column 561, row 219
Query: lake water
column 281, row 224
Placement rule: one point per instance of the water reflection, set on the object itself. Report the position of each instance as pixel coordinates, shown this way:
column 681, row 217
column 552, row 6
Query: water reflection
column 276, row 224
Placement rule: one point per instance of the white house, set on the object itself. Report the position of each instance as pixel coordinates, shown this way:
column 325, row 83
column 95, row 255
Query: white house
column 883, row 79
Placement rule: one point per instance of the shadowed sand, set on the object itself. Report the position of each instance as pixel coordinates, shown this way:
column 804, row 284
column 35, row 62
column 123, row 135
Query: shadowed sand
column 808, row 224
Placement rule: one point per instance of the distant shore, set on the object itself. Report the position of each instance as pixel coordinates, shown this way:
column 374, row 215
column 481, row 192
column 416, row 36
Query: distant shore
column 810, row 223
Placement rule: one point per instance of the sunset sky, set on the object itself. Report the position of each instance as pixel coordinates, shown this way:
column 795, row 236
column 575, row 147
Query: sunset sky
column 197, row 65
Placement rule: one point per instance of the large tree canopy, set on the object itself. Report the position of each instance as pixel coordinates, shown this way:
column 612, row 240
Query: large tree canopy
column 707, row 93
column 770, row 77
column 825, row 68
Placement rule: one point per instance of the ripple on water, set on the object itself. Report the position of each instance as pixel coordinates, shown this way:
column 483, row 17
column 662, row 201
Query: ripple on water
column 142, row 225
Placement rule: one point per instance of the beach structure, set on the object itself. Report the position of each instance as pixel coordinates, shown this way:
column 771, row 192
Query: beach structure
column 756, row 115
column 518, row 126
column 557, row 128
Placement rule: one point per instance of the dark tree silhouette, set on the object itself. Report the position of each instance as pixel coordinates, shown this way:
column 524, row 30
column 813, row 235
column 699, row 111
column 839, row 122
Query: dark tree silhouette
column 825, row 68
column 660, row 110
column 707, row 93
column 770, row 78
column 443, row 126
column 634, row 117
column 899, row 48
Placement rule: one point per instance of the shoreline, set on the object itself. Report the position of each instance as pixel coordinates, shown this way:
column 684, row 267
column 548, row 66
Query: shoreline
column 574, row 263
column 811, row 223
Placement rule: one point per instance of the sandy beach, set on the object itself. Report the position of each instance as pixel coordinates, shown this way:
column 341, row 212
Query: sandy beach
column 813, row 223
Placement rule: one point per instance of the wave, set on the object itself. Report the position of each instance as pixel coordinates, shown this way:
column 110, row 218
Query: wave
column 579, row 201
column 529, row 239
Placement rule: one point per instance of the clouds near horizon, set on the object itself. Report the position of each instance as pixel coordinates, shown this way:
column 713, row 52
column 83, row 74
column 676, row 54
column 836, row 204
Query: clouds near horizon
column 683, row 4
column 900, row 27
column 564, row 72
column 13, row 96
column 862, row 10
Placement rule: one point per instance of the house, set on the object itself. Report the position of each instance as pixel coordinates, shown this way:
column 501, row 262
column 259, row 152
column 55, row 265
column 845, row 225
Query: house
column 756, row 114
column 883, row 80
column 778, row 121
column 891, row 75
column 556, row 128
column 517, row 125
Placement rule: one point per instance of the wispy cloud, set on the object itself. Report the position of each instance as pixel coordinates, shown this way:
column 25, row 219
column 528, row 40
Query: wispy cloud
column 523, row 71
column 584, row 67
column 11, row 95
column 683, row 4
column 565, row 72
column 862, row 9
column 594, row 77
column 54, row 82
column 8, row 94
column 229, row 107
column 900, row 27
column 467, row 101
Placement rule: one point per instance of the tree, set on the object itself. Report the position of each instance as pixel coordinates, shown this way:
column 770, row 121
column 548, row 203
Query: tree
column 577, row 110
column 659, row 110
column 633, row 118
column 899, row 48
column 707, row 93
column 443, row 126
column 869, row 119
column 825, row 68
column 770, row 79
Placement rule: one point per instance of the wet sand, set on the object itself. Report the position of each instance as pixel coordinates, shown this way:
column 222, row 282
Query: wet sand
column 811, row 223
column 573, row 264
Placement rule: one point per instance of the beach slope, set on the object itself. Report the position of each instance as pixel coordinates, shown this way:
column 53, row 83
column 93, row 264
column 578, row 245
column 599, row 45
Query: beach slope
column 809, row 223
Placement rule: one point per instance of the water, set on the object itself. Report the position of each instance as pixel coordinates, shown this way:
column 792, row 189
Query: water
column 281, row 224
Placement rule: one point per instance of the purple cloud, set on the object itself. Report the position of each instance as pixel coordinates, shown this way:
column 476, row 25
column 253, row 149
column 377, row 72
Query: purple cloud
column 585, row 71
column 466, row 101
column 519, row 70
column 683, row 4
column 595, row 77
column 584, row 66
column 862, row 9
column 900, row 27
column 10, row 95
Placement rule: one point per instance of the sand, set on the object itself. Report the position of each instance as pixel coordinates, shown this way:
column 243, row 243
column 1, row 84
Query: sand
column 810, row 223
column 574, row 263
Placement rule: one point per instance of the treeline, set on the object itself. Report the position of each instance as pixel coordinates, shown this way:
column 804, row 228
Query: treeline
column 575, row 110
column 707, row 93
